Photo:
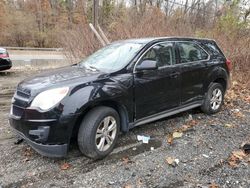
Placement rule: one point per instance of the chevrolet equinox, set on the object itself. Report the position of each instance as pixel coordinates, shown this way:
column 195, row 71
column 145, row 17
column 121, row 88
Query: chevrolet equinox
column 123, row 85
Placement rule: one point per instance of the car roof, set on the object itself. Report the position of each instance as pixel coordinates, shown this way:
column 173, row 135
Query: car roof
column 158, row 39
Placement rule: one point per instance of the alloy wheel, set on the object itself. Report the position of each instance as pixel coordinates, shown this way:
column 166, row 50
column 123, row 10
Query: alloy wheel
column 106, row 133
column 216, row 99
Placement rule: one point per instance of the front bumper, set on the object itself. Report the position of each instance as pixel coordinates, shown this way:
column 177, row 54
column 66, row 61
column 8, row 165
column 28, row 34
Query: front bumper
column 46, row 150
column 49, row 137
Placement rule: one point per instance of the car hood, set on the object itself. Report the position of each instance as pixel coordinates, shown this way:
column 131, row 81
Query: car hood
column 59, row 77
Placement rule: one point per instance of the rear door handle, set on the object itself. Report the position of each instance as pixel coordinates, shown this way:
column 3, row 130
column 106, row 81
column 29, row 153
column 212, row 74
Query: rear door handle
column 174, row 74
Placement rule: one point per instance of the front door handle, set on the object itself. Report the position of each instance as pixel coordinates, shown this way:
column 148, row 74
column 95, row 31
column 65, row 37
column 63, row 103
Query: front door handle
column 174, row 74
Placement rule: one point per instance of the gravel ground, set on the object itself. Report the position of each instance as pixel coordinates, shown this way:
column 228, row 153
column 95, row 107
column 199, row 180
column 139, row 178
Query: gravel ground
column 202, row 152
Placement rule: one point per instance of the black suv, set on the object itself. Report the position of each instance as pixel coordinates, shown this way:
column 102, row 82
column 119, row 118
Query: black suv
column 123, row 85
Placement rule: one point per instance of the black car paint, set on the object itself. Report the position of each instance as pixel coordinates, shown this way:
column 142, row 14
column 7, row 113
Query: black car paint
column 5, row 63
column 131, row 93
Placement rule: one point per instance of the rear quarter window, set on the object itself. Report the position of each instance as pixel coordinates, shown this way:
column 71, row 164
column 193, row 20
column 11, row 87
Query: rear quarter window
column 213, row 48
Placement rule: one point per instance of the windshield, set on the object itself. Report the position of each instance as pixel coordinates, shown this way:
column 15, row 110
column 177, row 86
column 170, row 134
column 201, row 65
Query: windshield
column 112, row 57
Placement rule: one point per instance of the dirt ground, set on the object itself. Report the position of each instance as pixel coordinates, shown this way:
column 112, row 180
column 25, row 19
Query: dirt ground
column 205, row 151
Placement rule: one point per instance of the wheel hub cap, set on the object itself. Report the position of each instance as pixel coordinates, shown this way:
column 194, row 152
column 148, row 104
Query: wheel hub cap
column 106, row 133
column 216, row 99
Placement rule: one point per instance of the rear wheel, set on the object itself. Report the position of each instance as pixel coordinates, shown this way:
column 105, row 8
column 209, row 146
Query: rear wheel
column 98, row 132
column 213, row 99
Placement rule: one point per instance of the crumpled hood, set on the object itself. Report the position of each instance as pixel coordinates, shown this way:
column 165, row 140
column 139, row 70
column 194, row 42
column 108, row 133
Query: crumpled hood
column 61, row 77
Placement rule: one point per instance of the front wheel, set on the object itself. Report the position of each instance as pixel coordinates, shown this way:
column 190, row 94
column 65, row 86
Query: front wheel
column 98, row 132
column 213, row 99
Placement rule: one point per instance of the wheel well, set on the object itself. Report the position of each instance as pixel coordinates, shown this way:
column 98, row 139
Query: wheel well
column 119, row 108
column 222, row 82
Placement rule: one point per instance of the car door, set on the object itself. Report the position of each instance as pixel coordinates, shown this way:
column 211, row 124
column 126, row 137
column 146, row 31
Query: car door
column 193, row 60
column 157, row 90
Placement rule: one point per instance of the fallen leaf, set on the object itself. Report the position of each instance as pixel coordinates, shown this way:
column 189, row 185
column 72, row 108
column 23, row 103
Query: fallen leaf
column 234, row 83
column 28, row 152
column 192, row 122
column 170, row 160
column 233, row 161
column 236, row 157
column 128, row 186
column 185, row 127
column 65, row 166
column 239, row 154
column 126, row 160
column 247, row 99
column 170, row 139
column 239, row 114
column 228, row 125
column 177, row 134
column 213, row 185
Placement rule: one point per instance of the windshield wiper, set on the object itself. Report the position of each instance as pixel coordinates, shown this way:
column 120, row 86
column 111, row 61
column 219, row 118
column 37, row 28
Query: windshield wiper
column 90, row 67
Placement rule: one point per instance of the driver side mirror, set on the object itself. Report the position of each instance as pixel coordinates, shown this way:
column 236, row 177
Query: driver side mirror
column 147, row 65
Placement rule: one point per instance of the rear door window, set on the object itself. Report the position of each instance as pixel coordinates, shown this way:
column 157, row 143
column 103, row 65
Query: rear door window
column 191, row 52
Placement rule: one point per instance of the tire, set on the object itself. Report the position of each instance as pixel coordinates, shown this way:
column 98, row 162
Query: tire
column 212, row 105
column 94, row 130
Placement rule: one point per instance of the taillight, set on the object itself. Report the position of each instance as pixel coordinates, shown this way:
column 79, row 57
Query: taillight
column 229, row 65
column 5, row 55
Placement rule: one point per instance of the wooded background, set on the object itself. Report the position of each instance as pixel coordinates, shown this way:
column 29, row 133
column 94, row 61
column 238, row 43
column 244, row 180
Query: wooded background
column 64, row 23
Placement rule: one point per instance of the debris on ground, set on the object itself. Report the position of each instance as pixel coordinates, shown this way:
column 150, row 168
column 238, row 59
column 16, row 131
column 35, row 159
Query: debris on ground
column 172, row 161
column 204, row 155
column 238, row 114
column 111, row 182
column 144, row 139
column 126, row 160
column 190, row 117
column 246, row 148
column 65, row 166
column 228, row 125
column 170, row 139
column 18, row 141
column 213, row 185
column 28, row 152
column 177, row 134
column 236, row 157
column 128, row 186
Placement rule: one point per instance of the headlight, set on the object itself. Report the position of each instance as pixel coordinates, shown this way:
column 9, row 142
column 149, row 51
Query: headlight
column 49, row 98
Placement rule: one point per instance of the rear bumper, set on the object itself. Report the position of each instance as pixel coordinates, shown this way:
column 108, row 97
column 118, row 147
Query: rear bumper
column 46, row 150
column 5, row 64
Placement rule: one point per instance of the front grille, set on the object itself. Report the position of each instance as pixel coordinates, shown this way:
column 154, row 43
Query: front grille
column 20, row 102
